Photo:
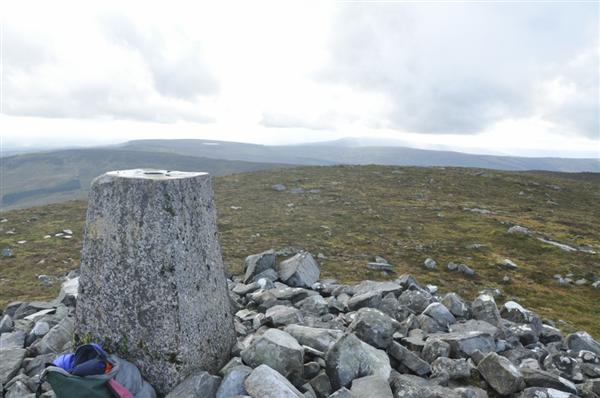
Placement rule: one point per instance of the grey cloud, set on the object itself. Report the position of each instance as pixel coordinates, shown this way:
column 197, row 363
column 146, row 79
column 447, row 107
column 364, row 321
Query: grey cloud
column 23, row 52
column 459, row 68
column 175, row 75
column 95, row 100
column 176, row 91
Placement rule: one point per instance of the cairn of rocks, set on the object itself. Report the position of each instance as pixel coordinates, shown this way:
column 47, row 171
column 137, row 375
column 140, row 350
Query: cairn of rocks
column 301, row 337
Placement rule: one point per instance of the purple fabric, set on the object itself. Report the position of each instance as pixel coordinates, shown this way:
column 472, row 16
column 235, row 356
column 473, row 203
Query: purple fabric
column 65, row 362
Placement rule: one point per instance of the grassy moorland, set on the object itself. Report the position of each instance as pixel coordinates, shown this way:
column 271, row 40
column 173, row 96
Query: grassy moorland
column 404, row 214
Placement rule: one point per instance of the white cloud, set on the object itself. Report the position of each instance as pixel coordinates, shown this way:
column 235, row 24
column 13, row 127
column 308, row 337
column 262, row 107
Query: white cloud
column 496, row 78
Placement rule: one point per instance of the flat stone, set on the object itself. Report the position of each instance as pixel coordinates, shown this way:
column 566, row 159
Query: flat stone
column 409, row 359
column 371, row 386
column 152, row 276
column 454, row 369
column 541, row 392
column 383, row 288
column 410, row 386
column 14, row 339
column 12, row 358
column 278, row 350
column 463, row 344
column 265, row 382
column 504, row 377
column 282, row 315
column 200, row 384
column 541, row 378
column 473, row 325
column 317, row 338
column 350, row 358
column 368, row 299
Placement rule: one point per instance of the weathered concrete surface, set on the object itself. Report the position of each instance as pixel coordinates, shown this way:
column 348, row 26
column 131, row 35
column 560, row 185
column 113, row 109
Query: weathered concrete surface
column 152, row 285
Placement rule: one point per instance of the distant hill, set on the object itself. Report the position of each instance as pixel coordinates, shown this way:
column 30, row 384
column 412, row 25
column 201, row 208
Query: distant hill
column 350, row 151
column 47, row 177
column 50, row 177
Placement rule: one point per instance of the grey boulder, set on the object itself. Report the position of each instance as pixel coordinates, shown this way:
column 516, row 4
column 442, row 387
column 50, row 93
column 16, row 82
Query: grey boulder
column 371, row 386
column 409, row 359
column 350, row 358
column 583, row 341
column 12, row 358
column 256, row 264
column 504, row 377
column 278, row 350
column 464, row 344
column 317, row 338
column 454, row 369
column 440, row 314
column 484, row 309
column 301, row 270
column 265, row 382
column 233, row 382
column 200, row 384
column 374, row 327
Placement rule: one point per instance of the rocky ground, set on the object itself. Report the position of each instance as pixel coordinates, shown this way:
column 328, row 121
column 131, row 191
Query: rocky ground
column 299, row 336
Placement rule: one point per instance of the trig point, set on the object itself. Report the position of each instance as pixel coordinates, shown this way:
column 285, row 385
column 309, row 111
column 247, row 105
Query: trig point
column 152, row 285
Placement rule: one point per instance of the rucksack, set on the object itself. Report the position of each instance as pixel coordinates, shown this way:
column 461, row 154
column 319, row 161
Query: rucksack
column 88, row 373
column 66, row 385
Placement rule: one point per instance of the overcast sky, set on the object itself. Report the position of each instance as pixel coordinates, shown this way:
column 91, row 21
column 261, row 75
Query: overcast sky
column 501, row 77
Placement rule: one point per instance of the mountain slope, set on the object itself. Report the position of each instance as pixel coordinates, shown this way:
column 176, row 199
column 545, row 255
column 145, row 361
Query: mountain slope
column 350, row 214
column 41, row 178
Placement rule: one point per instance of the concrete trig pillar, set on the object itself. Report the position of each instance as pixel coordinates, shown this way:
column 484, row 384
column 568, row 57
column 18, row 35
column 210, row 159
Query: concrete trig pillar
column 152, row 285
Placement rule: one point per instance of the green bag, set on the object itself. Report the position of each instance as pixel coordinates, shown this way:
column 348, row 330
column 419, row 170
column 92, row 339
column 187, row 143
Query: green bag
column 66, row 385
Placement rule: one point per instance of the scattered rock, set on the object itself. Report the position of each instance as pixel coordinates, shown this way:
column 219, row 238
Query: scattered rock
column 583, row 341
column 430, row 263
column 371, row 386
column 233, row 382
column 200, row 384
column 257, row 264
column 279, row 187
column 278, row 350
column 349, row 358
column 509, row 264
column 317, row 338
column 504, row 377
column 265, row 382
column 373, row 327
column 517, row 229
column 301, row 270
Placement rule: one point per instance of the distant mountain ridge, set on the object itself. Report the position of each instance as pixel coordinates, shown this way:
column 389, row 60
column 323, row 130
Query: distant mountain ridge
column 50, row 177
column 53, row 176
column 350, row 151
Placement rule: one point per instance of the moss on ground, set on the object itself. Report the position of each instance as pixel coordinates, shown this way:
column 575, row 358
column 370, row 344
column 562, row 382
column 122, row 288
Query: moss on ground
column 404, row 214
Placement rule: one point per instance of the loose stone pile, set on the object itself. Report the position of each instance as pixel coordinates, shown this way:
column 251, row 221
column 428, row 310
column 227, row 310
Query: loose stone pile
column 298, row 336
